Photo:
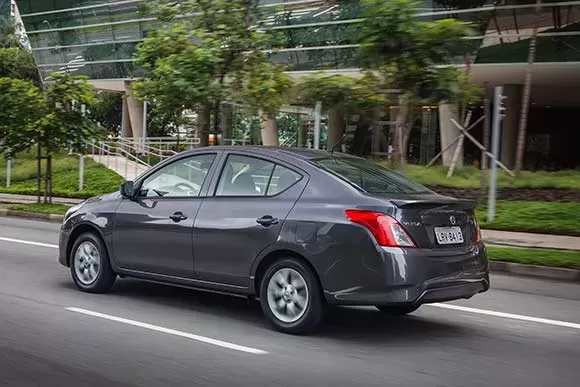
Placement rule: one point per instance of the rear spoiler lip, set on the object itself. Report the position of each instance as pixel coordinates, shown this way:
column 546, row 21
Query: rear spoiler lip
column 443, row 201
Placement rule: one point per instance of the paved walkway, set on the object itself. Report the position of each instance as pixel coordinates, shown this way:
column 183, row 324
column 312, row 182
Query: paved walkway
column 531, row 240
column 491, row 237
column 128, row 169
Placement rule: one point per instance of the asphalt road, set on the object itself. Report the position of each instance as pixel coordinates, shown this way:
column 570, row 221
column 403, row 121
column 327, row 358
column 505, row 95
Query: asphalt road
column 151, row 335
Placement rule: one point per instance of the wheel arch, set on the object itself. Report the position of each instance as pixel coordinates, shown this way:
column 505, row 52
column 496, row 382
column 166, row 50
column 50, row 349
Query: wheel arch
column 77, row 232
column 272, row 257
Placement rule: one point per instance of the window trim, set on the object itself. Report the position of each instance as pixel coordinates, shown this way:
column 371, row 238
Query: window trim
column 252, row 156
column 203, row 191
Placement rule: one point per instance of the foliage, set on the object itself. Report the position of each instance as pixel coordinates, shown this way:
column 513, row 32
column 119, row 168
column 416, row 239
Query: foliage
column 17, row 63
column 339, row 91
column 107, row 110
column 51, row 119
column 541, row 257
column 266, row 88
column 470, row 177
column 205, row 56
column 98, row 179
column 22, row 105
column 8, row 37
column 40, row 208
column 535, row 217
column 65, row 123
column 411, row 57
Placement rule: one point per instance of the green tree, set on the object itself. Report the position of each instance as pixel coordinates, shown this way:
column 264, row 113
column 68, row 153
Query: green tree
column 22, row 105
column 107, row 110
column 266, row 88
column 201, row 55
column 408, row 54
column 64, row 123
column 51, row 120
column 15, row 62
column 339, row 95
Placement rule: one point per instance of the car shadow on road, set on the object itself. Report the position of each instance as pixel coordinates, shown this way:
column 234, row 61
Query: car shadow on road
column 366, row 325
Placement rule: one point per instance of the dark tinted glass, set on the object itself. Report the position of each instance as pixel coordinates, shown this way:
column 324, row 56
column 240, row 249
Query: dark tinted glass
column 369, row 177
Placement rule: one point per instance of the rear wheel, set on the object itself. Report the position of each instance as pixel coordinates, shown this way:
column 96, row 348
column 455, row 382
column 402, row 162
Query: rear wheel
column 291, row 297
column 397, row 310
column 90, row 266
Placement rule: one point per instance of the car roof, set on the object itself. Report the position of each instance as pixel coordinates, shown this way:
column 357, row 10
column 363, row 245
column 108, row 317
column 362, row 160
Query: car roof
column 298, row 153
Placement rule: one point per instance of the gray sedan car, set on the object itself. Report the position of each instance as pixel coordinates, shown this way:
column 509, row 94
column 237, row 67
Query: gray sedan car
column 301, row 230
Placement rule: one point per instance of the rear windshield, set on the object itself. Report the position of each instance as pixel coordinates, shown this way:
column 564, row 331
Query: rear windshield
column 369, row 176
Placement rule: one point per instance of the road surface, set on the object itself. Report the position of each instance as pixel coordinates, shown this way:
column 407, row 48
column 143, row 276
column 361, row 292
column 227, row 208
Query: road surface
column 521, row 333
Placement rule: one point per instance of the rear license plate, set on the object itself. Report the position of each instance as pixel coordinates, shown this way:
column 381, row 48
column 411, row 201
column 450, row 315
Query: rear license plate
column 449, row 235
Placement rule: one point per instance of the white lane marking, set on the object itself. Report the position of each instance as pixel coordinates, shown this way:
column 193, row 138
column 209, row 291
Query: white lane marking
column 507, row 315
column 207, row 340
column 23, row 242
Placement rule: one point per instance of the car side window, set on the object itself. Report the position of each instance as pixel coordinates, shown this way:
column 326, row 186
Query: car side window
column 244, row 176
column 182, row 178
column 282, row 179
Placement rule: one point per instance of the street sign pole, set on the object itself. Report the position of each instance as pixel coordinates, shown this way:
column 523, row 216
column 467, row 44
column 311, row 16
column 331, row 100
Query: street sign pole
column 495, row 138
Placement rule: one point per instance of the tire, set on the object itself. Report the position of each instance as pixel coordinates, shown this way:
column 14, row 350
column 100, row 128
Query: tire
column 91, row 278
column 398, row 310
column 304, row 319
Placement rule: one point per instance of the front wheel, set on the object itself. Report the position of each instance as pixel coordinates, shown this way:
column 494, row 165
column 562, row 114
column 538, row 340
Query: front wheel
column 397, row 310
column 90, row 266
column 291, row 297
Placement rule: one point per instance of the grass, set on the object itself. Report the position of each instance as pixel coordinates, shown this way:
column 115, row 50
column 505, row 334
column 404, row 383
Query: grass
column 97, row 179
column 39, row 208
column 541, row 257
column 470, row 177
column 535, row 217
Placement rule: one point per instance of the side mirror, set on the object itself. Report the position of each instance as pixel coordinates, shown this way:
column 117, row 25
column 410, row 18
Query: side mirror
column 128, row 190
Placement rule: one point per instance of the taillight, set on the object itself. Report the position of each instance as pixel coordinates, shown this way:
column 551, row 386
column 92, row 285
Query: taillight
column 477, row 230
column 386, row 230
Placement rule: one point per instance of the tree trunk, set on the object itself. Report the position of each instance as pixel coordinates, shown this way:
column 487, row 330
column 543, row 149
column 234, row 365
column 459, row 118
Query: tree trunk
column 399, row 151
column 203, row 124
column 521, row 145
column 269, row 130
column 335, row 127
column 49, row 178
column 216, row 123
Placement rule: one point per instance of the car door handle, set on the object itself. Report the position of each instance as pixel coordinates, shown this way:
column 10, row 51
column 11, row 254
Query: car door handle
column 177, row 217
column 267, row 220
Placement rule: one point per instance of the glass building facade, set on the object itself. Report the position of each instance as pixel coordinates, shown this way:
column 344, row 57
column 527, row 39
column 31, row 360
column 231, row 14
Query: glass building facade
column 98, row 37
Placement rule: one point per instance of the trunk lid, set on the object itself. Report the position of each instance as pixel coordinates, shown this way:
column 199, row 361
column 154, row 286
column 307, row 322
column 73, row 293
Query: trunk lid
column 435, row 221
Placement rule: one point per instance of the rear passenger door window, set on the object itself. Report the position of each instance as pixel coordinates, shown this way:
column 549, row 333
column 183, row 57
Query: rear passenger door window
column 252, row 176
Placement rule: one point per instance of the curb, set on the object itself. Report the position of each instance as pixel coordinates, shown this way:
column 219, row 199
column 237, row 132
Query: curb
column 544, row 272
column 32, row 215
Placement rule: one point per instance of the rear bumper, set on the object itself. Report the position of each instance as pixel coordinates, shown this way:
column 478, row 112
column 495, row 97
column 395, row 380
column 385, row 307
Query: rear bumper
column 414, row 277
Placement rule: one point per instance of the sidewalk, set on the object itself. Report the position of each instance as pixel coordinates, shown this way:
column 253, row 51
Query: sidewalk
column 521, row 239
column 491, row 237
column 26, row 199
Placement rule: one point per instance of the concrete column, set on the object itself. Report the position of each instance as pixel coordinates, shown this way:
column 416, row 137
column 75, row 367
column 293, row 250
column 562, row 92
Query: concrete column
column 134, row 111
column 510, row 123
column 449, row 132
column 126, row 130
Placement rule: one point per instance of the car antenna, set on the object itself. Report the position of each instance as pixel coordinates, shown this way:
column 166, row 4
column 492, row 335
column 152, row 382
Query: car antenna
column 339, row 143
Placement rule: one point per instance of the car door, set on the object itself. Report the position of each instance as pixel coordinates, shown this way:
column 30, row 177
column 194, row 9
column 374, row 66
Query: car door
column 153, row 233
column 252, row 198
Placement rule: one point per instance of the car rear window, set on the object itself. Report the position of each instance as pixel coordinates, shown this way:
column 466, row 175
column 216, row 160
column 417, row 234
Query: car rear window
column 369, row 176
